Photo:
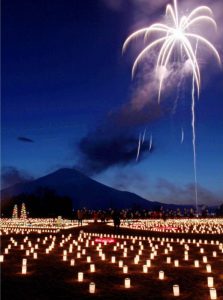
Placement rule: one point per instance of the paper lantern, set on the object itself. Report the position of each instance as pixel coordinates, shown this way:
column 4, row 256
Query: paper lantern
column 80, row 276
column 161, row 275
column 35, row 255
column 145, row 269
column 213, row 293
column 92, row 268
column 1, row 258
column 205, row 260
column 148, row 263
column 92, row 288
column 176, row 290
column 120, row 263
column 88, row 259
column 196, row 263
column 208, row 268
column 127, row 283
column 24, row 269
column 210, row 281
column 125, row 269
column 24, row 261
column 113, row 259
column 176, row 263
column 168, row 260
column 72, row 262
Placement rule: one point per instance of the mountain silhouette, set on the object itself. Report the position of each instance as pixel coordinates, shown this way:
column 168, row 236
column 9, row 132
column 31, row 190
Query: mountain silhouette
column 82, row 190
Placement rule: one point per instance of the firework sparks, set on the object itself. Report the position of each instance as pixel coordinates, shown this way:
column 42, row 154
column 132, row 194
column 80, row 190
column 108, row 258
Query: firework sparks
column 178, row 33
column 182, row 136
column 150, row 142
column 144, row 135
column 139, row 146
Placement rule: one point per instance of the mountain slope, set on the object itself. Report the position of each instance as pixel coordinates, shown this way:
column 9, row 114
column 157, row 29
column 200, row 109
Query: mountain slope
column 84, row 191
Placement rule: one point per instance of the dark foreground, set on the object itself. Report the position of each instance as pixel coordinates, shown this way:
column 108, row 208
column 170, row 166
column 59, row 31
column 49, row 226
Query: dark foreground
column 49, row 277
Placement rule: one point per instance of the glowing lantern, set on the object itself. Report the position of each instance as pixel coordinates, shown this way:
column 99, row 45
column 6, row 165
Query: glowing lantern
column 176, row 290
column 176, row 263
column 210, row 281
column 208, row 268
column 1, row 258
column 145, row 269
column 92, row 288
column 72, row 262
column 80, row 276
column 168, row 260
column 24, row 269
column 127, row 283
column 113, row 259
column 35, row 255
column 196, row 263
column 88, row 259
column 125, row 269
column 213, row 293
column 120, row 263
column 161, row 275
column 92, row 268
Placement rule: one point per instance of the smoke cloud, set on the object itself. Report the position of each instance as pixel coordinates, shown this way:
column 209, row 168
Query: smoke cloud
column 11, row 176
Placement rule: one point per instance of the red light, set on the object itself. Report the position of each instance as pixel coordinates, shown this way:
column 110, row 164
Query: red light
column 105, row 240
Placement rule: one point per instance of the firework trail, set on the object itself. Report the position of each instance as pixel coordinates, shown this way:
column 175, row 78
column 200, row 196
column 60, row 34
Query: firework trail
column 144, row 134
column 150, row 142
column 178, row 34
column 139, row 146
column 182, row 136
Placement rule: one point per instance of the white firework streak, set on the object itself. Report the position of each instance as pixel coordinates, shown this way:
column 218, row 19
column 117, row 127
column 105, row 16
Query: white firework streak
column 181, row 32
column 194, row 137
column 150, row 142
column 139, row 146
column 144, row 134
column 182, row 136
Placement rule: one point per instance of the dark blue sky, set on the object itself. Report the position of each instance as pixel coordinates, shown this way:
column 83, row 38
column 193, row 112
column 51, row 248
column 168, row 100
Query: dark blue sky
column 66, row 93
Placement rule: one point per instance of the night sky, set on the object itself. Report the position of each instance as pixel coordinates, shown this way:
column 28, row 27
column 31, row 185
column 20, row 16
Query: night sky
column 68, row 100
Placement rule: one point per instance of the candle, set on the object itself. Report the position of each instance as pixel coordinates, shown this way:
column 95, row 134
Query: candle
column 80, row 276
column 176, row 290
column 92, row 288
column 127, row 283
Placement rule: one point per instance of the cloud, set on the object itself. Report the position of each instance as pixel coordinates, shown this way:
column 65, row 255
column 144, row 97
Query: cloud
column 101, row 150
column 169, row 192
column 11, row 176
column 25, row 139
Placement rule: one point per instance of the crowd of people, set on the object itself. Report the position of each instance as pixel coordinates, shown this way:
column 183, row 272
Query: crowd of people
column 116, row 215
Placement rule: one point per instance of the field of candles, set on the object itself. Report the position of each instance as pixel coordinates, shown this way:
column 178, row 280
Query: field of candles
column 144, row 259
